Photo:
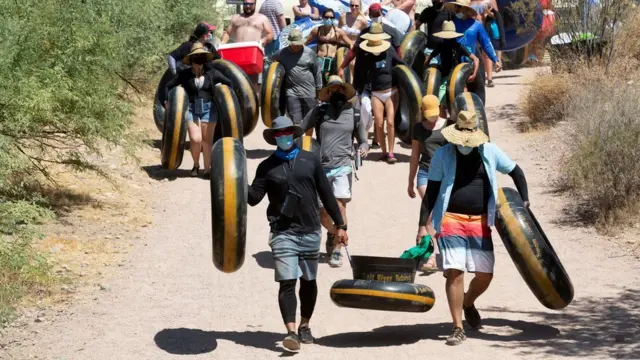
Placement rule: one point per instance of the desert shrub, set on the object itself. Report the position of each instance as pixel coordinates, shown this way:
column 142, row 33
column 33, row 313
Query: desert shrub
column 544, row 102
column 603, row 161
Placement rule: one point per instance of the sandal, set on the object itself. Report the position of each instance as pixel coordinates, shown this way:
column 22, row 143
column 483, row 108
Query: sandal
column 391, row 159
column 430, row 266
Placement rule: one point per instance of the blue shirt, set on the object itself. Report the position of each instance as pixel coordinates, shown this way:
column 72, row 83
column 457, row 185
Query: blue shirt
column 443, row 168
column 474, row 33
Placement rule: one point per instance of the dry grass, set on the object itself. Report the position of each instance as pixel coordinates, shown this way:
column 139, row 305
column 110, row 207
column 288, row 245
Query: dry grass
column 544, row 104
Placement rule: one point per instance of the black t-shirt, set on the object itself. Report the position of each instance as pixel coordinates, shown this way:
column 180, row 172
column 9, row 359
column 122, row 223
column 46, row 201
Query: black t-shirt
column 451, row 53
column 430, row 141
column 376, row 69
column 181, row 51
column 471, row 187
column 433, row 18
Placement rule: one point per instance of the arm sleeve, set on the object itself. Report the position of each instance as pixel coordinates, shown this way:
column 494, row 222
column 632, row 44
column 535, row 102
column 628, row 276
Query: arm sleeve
column 257, row 190
column 429, row 201
column 396, row 59
column 326, row 193
column 485, row 42
column 310, row 119
column 437, row 50
column 521, row 182
column 172, row 64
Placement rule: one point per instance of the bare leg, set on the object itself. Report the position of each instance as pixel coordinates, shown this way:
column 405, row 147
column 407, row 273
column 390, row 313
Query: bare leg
column 421, row 190
column 390, row 109
column 477, row 287
column 207, row 143
column 455, row 295
column 195, row 142
column 488, row 66
column 378, row 115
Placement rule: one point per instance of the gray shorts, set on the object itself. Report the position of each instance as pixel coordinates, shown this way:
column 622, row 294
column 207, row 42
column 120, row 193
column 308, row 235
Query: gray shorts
column 295, row 255
column 341, row 185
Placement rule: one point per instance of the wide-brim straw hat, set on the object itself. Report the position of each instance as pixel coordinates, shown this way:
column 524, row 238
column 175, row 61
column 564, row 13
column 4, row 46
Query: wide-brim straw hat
column 279, row 124
column 375, row 46
column 334, row 84
column 465, row 131
column 451, row 6
column 197, row 49
column 448, row 31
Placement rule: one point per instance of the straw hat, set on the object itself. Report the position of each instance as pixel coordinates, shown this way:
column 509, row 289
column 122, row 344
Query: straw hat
column 448, row 31
column 197, row 49
column 465, row 131
column 451, row 7
column 335, row 83
column 376, row 32
column 430, row 106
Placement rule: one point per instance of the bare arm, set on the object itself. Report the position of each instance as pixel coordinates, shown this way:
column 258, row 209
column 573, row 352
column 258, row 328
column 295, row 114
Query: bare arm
column 266, row 27
column 281, row 21
column 344, row 37
column 230, row 30
column 343, row 20
column 406, row 5
column 298, row 12
column 312, row 35
column 413, row 162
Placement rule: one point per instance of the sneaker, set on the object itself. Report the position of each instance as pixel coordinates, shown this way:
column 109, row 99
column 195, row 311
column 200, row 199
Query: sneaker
column 391, row 159
column 194, row 171
column 304, row 332
column 472, row 316
column 336, row 259
column 457, row 336
column 291, row 342
column 490, row 83
column 206, row 175
column 329, row 244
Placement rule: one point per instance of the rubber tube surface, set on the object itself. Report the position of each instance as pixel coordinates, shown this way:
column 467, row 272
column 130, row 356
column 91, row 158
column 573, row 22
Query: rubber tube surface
column 385, row 296
column 244, row 91
column 411, row 93
column 272, row 93
column 517, row 57
column 471, row 102
column 308, row 143
column 158, row 109
column 412, row 50
column 431, row 81
column 229, row 112
column 228, row 204
column 532, row 252
column 175, row 129
column 522, row 21
column 458, row 82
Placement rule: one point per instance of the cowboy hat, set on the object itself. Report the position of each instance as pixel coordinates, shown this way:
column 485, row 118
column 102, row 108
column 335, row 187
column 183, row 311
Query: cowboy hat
column 451, row 7
column 197, row 49
column 465, row 131
column 376, row 32
column 430, row 106
column 281, row 123
column 335, row 83
column 448, row 31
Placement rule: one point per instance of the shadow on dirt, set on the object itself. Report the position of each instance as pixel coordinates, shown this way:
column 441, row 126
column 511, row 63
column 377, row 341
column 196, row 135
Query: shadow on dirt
column 156, row 172
column 595, row 327
column 375, row 155
column 265, row 259
column 185, row 341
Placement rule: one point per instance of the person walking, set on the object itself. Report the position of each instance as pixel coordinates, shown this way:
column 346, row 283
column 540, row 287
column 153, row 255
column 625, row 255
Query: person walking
column 293, row 179
column 461, row 200
column 336, row 127
column 303, row 79
column 274, row 11
column 202, row 34
column 426, row 138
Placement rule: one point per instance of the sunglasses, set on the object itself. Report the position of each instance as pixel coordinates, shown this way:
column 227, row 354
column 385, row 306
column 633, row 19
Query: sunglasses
column 199, row 60
column 248, row 4
column 328, row 17
column 282, row 133
column 354, row 5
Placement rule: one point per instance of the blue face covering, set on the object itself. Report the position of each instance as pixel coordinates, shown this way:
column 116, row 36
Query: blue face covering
column 459, row 15
column 284, row 142
column 327, row 22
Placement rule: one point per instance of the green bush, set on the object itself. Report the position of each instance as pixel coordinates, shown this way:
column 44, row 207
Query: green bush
column 67, row 68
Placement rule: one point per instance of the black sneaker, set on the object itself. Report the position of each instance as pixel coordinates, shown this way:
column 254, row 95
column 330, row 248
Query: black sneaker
column 304, row 332
column 472, row 316
column 194, row 171
column 457, row 336
column 291, row 342
column 490, row 83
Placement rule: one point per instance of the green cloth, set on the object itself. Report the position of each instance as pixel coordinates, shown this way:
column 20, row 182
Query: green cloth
column 421, row 251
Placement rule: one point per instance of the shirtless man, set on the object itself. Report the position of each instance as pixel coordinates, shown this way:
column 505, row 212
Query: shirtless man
column 329, row 38
column 408, row 6
column 249, row 26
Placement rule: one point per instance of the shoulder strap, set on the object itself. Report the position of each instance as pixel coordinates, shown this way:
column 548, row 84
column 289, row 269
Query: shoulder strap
column 322, row 111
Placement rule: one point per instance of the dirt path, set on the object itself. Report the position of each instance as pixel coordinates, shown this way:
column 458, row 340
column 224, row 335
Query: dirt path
column 169, row 300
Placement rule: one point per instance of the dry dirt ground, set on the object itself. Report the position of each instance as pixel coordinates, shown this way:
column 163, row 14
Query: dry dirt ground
column 168, row 300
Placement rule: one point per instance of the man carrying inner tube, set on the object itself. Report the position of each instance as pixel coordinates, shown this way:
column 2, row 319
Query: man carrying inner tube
column 451, row 54
column 474, row 32
column 303, row 79
column 461, row 199
column 329, row 37
column 335, row 125
column 293, row 179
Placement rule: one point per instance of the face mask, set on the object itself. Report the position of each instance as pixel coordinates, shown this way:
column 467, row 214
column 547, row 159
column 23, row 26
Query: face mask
column 284, row 142
column 464, row 150
column 459, row 15
column 327, row 22
column 337, row 99
column 208, row 37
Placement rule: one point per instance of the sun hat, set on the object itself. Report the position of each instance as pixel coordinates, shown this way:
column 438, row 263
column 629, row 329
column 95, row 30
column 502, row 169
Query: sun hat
column 375, row 43
column 451, row 6
column 197, row 49
column 295, row 37
column 279, row 124
column 376, row 32
column 465, row 131
column 430, row 106
column 448, row 31
column 334, row 84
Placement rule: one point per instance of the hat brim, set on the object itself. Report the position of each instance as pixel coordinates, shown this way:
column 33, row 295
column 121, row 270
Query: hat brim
column 451, row 7
column 370, row 36
column 267, row 134
column 375, row 49
column 430, row 113
column 447, row 34
column 464, row 138
column 187, row 59
column 347, row 88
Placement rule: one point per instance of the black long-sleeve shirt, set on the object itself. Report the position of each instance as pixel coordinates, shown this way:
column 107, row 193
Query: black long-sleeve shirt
column 376, row 70
column 307, row 179
column 451, row 53
column 185, row 78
